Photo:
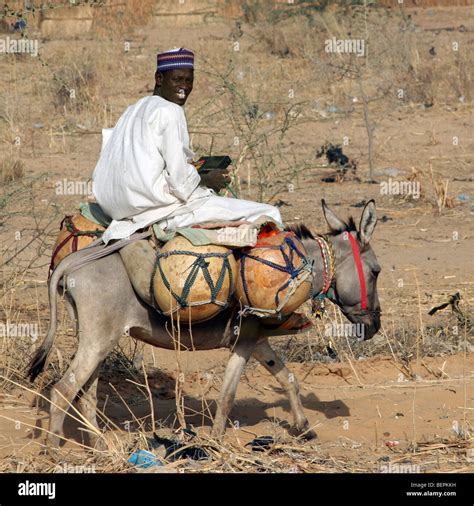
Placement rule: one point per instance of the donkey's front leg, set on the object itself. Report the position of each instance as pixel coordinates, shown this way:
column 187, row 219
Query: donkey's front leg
column 264, row 353
column 239, row 358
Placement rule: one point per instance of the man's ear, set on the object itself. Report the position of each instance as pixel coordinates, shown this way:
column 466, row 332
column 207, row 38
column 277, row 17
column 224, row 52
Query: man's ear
column 158, row 78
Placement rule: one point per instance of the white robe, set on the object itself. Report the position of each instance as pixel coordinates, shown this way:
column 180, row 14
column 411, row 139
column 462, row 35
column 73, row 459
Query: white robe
column 143, row 175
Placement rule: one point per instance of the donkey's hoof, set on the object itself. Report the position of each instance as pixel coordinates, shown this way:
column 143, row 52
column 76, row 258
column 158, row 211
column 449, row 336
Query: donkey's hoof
column 99, row 443
column 304, row 434
column 53, row 442
column 309, row 435
column 51, row 453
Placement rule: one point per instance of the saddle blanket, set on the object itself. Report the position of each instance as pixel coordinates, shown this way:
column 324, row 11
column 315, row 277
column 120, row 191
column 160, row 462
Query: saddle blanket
column 235, row 234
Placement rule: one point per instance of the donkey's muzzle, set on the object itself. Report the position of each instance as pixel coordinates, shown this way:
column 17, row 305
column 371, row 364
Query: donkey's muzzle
column 368, row 322
column 371, row 324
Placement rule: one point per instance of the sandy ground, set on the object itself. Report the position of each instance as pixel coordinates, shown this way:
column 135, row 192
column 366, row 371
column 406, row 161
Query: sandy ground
column 357, row 410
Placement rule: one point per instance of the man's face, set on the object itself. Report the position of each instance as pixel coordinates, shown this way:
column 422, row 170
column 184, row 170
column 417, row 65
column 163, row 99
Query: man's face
column 175, row 85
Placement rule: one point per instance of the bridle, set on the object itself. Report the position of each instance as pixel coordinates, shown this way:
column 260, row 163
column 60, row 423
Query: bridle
column 329, row 263
column 360, row 271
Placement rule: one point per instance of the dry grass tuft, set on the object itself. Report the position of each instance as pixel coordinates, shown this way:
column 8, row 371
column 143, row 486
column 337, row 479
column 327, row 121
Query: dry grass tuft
column 11, row 170
column 116, row 17
column 75, row 86
column 440, row 188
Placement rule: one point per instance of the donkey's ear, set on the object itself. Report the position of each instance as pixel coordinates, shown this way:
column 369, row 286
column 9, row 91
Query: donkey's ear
column 368, row 220
column 335, row 224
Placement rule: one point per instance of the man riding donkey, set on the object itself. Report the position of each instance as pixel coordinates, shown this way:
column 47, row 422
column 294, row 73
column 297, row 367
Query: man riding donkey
column 143, row 181
column 145, row 175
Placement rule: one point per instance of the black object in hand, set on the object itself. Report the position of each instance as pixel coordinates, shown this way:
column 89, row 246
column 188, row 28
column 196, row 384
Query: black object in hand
column 208, row 163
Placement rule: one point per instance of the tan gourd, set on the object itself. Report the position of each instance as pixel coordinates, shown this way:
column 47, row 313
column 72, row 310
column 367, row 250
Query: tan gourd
column 76, row 233
column 177, row 267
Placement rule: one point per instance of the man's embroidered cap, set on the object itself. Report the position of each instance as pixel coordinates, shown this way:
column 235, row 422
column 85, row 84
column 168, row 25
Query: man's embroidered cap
column 175, row 59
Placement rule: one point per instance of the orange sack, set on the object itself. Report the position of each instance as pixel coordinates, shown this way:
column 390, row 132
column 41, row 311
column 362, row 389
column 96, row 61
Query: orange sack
column 262, row 285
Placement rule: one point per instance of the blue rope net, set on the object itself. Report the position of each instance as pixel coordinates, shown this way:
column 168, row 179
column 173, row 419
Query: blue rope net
column 289, row 266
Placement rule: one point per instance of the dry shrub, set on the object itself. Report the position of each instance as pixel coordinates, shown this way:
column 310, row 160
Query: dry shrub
column 75, row 86
column 275, row 42
column 11, row 170
column 419, row 86
column 333, row 340
column 457, row 76
column 117, row 17
column 256, row 11
column 432, row 189
column 14, row 357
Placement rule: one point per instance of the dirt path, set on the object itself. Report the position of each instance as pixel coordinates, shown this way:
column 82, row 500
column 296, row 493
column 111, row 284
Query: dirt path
column 356, row 410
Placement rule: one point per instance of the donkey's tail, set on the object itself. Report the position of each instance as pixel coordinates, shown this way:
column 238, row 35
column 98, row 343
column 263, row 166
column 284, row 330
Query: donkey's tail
column 72, row 262
column 39, row 359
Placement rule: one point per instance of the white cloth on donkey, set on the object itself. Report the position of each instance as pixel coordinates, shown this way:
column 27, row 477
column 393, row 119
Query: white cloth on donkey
column 143, row 175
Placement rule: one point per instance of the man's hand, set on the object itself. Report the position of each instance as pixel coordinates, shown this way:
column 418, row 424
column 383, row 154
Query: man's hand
column 217, row 179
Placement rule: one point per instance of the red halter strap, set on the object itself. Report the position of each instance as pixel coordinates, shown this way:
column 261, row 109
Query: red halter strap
column 360, row 270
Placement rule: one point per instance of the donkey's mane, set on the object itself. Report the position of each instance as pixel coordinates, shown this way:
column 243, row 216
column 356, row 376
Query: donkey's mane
column 303, row 232
column 350, row 226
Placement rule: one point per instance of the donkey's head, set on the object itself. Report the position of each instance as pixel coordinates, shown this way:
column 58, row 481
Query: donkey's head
column 352, row 283
column 354, row 286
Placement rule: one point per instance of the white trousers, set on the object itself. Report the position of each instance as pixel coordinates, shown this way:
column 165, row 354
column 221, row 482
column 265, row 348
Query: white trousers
column 223, row 209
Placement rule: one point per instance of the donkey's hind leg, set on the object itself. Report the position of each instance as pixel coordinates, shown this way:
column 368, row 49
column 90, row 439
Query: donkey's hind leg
column 90, row 353
column 264, row 353
column 87, row 405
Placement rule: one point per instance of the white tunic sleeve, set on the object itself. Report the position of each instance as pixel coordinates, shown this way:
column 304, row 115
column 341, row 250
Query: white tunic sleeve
column 181, row 177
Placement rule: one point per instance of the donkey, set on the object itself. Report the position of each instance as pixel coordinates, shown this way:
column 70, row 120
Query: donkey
column 105, row 306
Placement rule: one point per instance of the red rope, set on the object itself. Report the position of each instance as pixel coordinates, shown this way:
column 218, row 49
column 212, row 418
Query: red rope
column 360, row 271
column 59, row 246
